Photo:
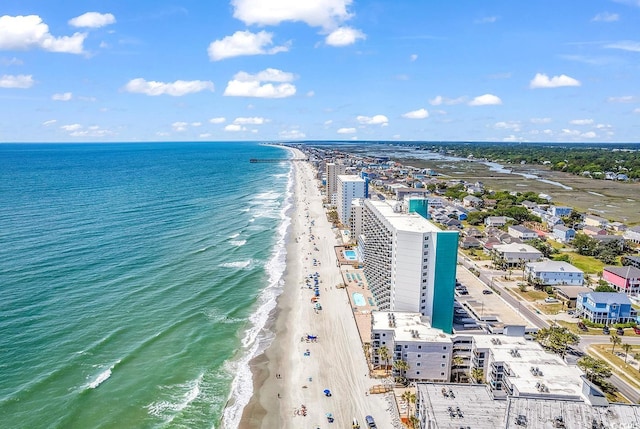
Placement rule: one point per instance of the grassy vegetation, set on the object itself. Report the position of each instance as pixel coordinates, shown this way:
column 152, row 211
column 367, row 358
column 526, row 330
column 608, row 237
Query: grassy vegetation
column 530, row 295
column 573, row 327
column 554, row 308
column 588, row 264
column 623, row 370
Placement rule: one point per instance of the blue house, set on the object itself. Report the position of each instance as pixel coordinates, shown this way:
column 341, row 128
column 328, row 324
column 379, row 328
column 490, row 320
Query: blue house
column 560, row 211
column 563, row 234
column 605, row 307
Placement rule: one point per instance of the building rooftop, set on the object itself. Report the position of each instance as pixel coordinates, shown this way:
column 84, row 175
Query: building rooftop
column 609, row 297
column 476, row 406
column 516, row 248
column 350, row 178
column 554, row 266
column 628, row 272
column 407, row 326
column 401, row 220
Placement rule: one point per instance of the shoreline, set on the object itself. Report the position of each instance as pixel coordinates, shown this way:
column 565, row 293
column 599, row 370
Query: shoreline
column 290, row 376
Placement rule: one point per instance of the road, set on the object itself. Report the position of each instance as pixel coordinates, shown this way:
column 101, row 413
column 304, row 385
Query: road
column 487, row 276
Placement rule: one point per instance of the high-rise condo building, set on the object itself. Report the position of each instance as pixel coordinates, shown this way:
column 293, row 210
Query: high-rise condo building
column 333, row 170
column 410, row 264
column 348, row 188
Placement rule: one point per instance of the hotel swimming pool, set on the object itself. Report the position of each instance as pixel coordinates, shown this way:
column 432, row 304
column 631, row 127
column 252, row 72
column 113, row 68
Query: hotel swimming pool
column 350, row 255
column 358, row 299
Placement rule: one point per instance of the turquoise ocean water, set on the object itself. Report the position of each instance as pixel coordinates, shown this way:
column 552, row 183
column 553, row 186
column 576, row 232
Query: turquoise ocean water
column 135, row 280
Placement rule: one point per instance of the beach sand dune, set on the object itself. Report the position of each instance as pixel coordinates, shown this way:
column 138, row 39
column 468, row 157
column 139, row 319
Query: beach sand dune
column 287, row 377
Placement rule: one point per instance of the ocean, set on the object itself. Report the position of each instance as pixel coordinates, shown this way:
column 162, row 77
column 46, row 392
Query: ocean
column 136, row 280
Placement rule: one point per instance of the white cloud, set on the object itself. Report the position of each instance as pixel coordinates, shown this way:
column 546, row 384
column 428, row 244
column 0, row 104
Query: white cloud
column 179, row 126
column 487, row 20
column 250, row 121
column 291, row 134
column 91, row 131
column 11, row 61
column 92, row 20
column 508, row 125
column 49, row 122
column 318, row 13
column 248, row 85
column 66, row 96
column 623, row 99
column 234, row 128
column 511, row 138
column 589, row 135
column 581, row 122
column 26, row 32
column 438, row 100
column 21, row 81
column 604, row 126
column 328, row 122
column 344, row 36
column 636, row 110
column 485, row 100
column 311, row 93
column 413, row 57
column 196, row 124
column 625, row 45
column 346, row 131
column 373, row 120
column 540, row 120
column 541, row 80
column 267, row 75
column 71, row 127
column 416, row 114
column 244, row 43
column 218, row 120
column 606, row 17
column 204, row 135
column 176, row 89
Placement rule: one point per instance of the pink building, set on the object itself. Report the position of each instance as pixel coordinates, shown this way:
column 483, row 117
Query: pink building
column 624, row 279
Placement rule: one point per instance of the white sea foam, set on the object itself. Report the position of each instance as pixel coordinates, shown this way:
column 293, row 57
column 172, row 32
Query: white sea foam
column 238, row 243
column 232, row 236
column 102, row 377
column 169, row 409
column 257, row 338
column 236, row 264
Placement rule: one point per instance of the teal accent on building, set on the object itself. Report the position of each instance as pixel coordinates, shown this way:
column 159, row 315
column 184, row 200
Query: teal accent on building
column 444, row 280
column 420, row 206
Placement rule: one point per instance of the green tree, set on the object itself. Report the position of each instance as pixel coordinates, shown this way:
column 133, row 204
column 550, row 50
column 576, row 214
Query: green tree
column 477, row 374
column 596, row 369
column 557, row 339
column 457, row 362
column 626, row 347
column 410, row 398
column 385, row 355
column 604, row 288
column 402, row 367
column 584, row 244
column 615, row 340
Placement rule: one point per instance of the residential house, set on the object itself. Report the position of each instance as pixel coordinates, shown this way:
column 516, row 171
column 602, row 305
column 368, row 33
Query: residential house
column 624, row 279
column 471, row 201
column 617, row 226
column 529, row 205
column 629, row 260
column 569, row 294
column 515, row 254
column 632, row 234
column 521, row 232
column 605, row 307
column 560, row 211
column 592, row 230
column 470, row 243
column 551, row 273
column 496, row 221
column 553, row 221
column 605, row 239
column 563, row 234
column 473, row 232
column 593, row 220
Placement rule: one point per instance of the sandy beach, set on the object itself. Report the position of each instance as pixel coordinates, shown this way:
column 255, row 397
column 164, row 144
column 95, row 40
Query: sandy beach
column 290, row 377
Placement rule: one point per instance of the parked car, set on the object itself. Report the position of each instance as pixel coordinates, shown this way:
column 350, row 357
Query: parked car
column 605, row 330
column 636, row 329
column 370, row 422
column 487, row 292
column 620, row 331
column 582, row 327
column 550, row 300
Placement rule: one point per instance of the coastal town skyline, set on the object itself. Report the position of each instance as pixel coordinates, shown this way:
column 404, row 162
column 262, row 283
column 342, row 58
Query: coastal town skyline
column 330, row 70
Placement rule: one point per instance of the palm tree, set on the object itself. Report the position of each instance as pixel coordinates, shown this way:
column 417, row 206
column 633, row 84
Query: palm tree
column 626, row 347
column 401, row 366
column 477, row 374
column 410, row 397
column 615, row 340
column 385, row 356
column 456, row 362
column 414, row 421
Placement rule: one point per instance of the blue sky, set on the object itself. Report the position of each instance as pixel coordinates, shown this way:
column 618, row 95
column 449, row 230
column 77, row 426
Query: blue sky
column 271, row 70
